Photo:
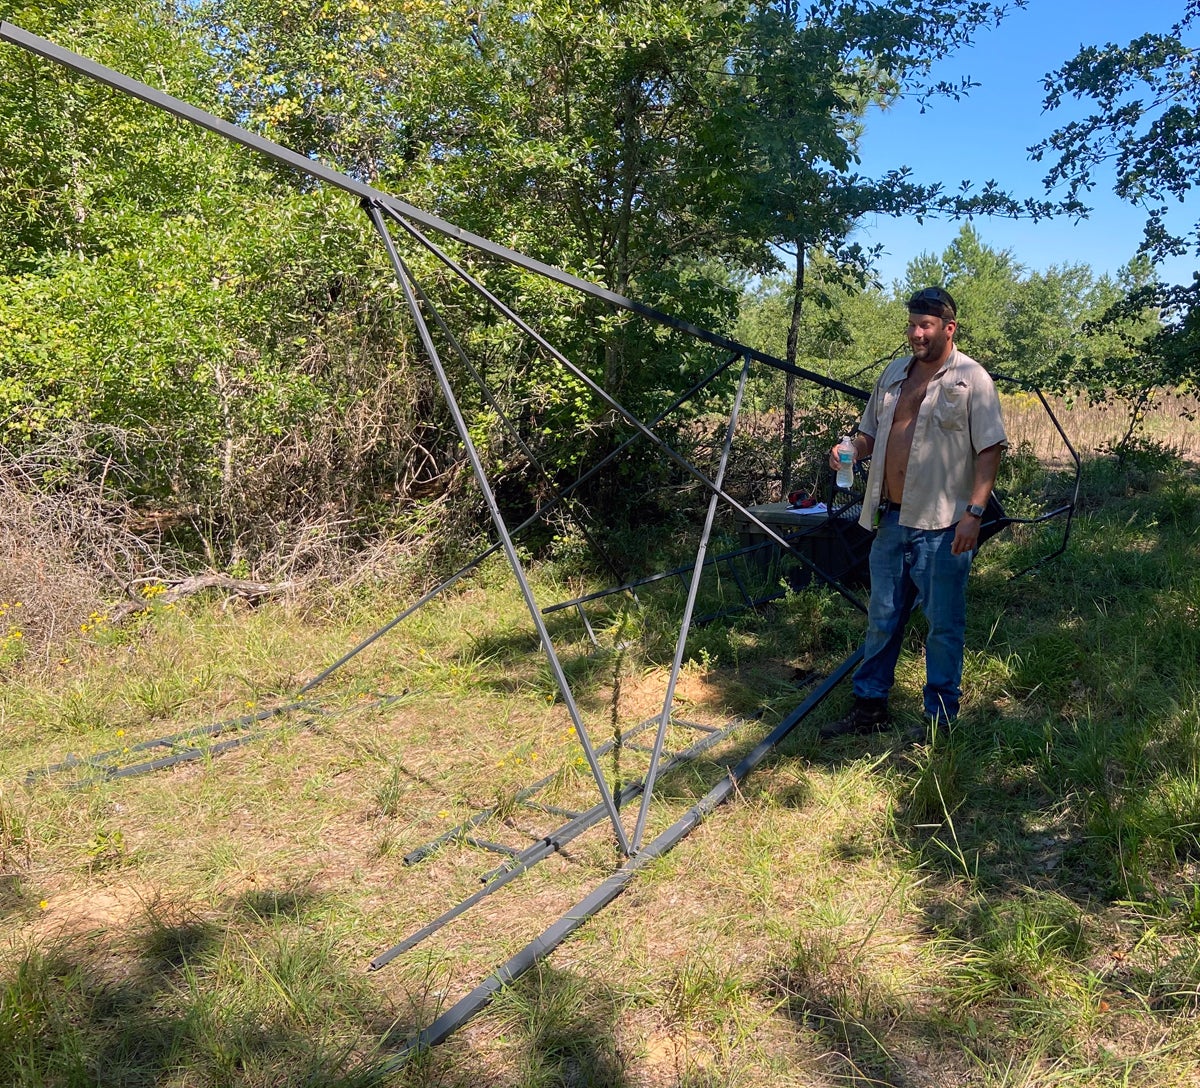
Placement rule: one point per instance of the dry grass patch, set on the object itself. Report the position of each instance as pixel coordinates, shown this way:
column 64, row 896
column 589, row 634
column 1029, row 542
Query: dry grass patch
column 1172, row 419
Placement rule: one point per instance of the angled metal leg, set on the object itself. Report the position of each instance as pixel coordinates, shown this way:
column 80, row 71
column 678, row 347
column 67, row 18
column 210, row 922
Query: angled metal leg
column 587, row 626
column 686, row 622
column 510, row 550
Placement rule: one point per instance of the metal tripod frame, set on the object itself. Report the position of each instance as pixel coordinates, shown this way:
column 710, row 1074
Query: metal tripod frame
column 381, row 206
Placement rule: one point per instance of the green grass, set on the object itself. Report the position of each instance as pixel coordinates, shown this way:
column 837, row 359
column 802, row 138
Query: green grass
column 1015, row 903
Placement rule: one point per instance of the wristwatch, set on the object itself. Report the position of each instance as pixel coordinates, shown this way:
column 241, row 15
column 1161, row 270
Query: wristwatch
column 977, row 511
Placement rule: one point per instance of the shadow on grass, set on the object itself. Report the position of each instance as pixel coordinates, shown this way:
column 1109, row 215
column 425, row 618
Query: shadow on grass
column 653, row 626
column 1065, row 799
column 174, row 994
column 268, row 903
column 562, row 1027
column 1074, row 766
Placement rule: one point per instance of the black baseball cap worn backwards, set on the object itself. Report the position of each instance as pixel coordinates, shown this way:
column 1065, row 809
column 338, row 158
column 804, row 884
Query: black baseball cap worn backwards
column 934, row 301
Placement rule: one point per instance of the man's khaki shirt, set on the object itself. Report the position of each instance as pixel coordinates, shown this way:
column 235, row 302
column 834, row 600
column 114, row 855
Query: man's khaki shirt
column 959, row 416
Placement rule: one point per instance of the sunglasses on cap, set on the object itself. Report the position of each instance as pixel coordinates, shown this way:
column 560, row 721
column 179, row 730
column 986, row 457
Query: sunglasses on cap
column 934, row 301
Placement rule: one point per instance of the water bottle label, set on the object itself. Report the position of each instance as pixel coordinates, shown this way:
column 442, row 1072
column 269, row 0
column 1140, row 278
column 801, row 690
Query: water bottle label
column 845, row 472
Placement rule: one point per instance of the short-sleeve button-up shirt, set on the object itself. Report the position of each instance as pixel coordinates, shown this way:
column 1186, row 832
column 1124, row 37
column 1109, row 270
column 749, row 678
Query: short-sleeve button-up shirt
column 959, row 416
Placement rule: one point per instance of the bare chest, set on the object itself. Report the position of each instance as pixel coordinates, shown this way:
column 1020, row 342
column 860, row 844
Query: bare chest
column 912, row 393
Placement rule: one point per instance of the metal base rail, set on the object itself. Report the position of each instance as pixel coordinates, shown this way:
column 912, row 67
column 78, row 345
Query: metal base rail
column 522, row 861
column 454, row 1017
column 459, row 832
column 104, row 766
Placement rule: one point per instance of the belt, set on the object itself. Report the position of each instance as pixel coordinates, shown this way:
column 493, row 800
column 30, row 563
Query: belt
column 886, row 504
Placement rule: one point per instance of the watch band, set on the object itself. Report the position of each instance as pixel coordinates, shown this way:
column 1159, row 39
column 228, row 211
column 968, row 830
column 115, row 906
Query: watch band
column 977, row 511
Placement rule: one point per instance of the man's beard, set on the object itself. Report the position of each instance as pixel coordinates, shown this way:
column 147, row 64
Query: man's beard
column 930, row 349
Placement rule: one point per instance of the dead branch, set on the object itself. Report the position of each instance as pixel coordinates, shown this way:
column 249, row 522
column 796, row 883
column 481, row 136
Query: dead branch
column 235, row 587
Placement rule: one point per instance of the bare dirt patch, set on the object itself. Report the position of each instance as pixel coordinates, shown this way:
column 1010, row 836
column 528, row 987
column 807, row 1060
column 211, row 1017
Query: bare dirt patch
column 90, row 911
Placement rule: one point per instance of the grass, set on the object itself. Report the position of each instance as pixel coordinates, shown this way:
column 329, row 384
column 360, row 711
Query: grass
column 1015, row 903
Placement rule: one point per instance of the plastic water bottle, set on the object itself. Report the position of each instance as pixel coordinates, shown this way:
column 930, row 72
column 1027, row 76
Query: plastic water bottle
column 845, row 457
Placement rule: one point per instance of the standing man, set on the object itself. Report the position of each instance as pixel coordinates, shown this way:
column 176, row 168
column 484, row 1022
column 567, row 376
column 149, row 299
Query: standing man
column 933, row 431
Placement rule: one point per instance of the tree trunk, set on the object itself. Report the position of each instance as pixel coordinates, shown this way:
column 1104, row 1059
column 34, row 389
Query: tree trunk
column 631, row 167
column 789, row 386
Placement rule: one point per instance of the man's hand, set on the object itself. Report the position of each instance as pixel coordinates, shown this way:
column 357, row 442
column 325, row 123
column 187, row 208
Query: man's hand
column 863, row 445
column 966, row 534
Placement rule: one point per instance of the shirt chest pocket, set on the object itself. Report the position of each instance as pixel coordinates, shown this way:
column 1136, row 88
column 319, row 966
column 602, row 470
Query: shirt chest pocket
column 950, row 408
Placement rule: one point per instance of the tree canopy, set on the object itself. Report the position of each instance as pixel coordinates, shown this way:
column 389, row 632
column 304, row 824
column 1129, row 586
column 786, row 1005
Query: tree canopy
column 228, row 334
column 1145, row 129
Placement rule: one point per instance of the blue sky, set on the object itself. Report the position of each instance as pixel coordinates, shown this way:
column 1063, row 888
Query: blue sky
column 986, row 135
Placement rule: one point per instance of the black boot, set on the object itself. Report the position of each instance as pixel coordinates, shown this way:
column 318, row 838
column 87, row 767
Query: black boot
column 866, row 716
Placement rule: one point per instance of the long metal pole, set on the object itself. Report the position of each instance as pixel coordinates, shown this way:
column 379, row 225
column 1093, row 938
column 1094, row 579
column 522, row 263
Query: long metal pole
column 616, row 406
column 96, row 762
column 510, row 550
column 1068, row 508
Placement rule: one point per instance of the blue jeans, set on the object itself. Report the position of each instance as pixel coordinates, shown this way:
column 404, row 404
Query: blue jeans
column 908, row 567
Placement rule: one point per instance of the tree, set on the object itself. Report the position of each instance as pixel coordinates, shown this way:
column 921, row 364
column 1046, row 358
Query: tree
column 70, row 185
column 662, row 147
column 845, row 329
column 219, row 339
column 639, row 143
column 1152, row 144
column 1061, row 329
column 1146, row 127
column 848, row 56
